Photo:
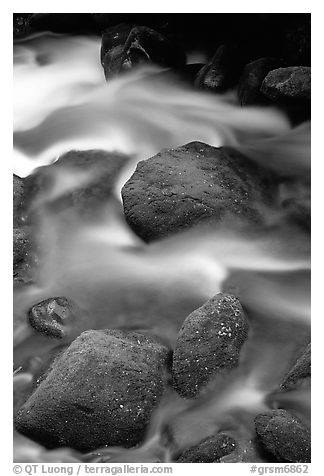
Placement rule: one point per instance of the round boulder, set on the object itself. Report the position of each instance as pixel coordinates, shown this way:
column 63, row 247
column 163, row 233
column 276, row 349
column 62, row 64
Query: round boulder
column 178, row 188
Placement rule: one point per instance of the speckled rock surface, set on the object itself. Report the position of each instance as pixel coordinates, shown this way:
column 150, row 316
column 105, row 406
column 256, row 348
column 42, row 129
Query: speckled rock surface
column 101, row 391
column 300, row 372
column 284, row 436
column 25, row 257
column 178, row 188
column 289, row 83
column 209, row 450
column 209, row 342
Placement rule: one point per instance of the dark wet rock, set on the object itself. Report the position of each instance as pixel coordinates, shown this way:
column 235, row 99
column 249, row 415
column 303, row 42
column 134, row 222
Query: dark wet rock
column 208, row 343
column 250, row 82
column 143, row 45
column 20, row 24
column 62, row 22
column 179, row 188
column 284, row 436
column 223, row 71
column 92, row 175
column 114, row 38
column 101, row 391
column 18, row 200
column 289, row 83
column 300, row 372
column 209, row 450
column 25, row 257
column 290, row 89
column 57, row 317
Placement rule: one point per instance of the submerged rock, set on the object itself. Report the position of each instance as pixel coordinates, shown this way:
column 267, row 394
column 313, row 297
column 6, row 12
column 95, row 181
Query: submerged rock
column 209, row 450
column 284, row 436
column 100, row 391
column 83, row 180
column 179, row 188
column 300, row 372
column 142, row 45
column 209, row 342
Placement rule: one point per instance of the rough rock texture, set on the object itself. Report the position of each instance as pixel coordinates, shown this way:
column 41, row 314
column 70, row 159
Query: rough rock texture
column 209, row 342
column 101, row 391
column 223, row 71
column 91, row 174
column 24, row 256
column 209, row 450
column 284, row 436
column 18, row 199
column 300, row 372
column 250, row 82
column 289, row 83
column 178, row 188
column 142, row 45
column 56, row 317
column 113, row 40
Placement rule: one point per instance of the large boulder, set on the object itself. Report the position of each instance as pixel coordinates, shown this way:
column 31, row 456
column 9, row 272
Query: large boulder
column 209, row 343
column 100, row 391
column 179, row 188
column 284, row 436
column 291, row 83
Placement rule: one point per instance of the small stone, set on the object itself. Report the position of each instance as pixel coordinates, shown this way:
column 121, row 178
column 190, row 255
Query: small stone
column 25, row 257
column 284, row 436
column 57, row 317
column 209, row 450
column 199, row 356
column 84, row 386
